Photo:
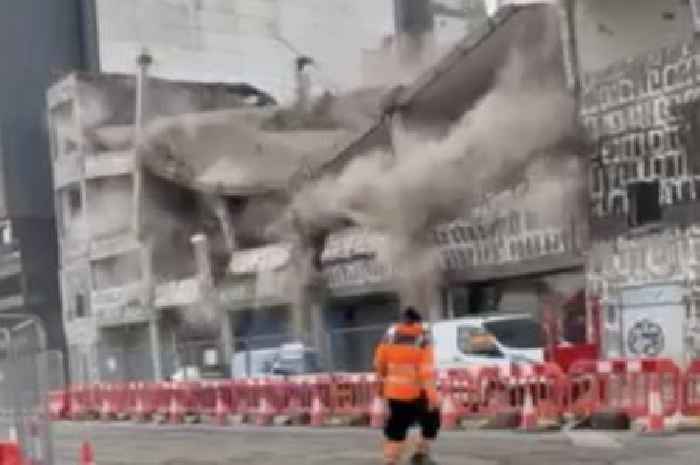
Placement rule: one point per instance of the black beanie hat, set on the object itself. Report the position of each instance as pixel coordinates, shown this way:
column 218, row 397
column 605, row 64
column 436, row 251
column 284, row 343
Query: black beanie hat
column 411, row 315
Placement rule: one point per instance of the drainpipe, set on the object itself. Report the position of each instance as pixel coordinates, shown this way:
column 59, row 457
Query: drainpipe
column 144, row 61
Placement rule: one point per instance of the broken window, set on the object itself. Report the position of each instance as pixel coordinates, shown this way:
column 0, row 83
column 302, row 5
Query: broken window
column 110, row 205
column 117, row 271
column 644, row 203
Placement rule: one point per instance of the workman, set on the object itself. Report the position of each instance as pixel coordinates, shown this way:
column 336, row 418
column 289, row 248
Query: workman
column 406, row 370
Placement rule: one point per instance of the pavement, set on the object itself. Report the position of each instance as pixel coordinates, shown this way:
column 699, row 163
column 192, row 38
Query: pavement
column 129, row 444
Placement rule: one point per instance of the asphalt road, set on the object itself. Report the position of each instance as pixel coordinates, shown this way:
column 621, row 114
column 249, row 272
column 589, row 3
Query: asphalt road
column 119, row 444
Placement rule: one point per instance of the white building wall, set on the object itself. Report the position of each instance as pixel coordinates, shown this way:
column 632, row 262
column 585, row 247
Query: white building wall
column 253, row 41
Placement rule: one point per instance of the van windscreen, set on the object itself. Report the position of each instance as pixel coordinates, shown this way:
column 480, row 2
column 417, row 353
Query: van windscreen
column 518, row 333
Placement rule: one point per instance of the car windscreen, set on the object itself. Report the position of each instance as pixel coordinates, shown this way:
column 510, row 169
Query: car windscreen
column 518, row 333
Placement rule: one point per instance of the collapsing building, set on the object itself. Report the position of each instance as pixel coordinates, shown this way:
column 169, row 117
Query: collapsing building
column 155, row 198
column 192, row 237
column 261, row 225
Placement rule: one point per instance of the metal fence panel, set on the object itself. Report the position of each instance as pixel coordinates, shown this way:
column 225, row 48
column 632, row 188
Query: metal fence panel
column 27, row 373
column 124, row 365
column 352, row 349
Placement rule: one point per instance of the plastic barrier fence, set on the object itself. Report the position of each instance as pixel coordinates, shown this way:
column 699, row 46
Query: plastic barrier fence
column 625, row 385
column 589, row 387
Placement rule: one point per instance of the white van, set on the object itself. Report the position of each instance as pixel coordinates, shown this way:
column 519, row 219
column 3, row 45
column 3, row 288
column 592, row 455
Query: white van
column 487, row 340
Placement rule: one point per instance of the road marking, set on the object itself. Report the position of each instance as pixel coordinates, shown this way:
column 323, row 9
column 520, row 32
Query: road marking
column 593, row 439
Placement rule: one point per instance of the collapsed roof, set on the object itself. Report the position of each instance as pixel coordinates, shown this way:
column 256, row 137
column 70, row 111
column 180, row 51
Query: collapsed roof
column 254, row 150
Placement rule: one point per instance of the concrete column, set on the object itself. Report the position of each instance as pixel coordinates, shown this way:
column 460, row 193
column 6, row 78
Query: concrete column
column 200, row 243
column 227, row 339
column 317, row 332
column 144, row 61
column 154, row 336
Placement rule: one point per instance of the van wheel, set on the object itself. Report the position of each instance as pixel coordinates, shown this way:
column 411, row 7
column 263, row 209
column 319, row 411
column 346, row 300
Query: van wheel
column 610, row 420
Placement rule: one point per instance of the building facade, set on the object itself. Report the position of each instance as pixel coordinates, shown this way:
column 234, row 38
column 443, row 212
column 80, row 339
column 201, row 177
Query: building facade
column 639, row 103
column 132, row 245
column 59, row 37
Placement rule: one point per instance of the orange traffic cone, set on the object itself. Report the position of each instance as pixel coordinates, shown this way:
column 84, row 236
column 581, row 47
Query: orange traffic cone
column 318, row 411
column 377, row 413
column 107, row 410
column 221, row 410
column 87, row 456
column 449, row 415
column 264, row 417
column 10, row 453
column 656, row 424
column 528, row 420
column 177, row 416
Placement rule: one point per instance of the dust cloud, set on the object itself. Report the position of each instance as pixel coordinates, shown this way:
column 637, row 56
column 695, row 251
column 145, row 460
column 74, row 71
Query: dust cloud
column 430, row 181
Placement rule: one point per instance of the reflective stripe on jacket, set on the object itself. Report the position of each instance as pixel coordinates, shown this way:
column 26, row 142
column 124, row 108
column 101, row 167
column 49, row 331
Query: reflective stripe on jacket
column 404, row 362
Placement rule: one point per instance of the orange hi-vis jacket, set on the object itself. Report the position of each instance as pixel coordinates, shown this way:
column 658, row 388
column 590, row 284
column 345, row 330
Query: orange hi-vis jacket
column 404, row 363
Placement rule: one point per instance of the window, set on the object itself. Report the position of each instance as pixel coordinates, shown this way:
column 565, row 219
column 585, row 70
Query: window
column 611, row 315
column 633, row 170
column 11, row 285
column 515, row 222
column 647, row 167
column 673, row 140
column 75, row 201
column 644, row 203
column 80, row 310
column 475, row 341
column 596, row 186
column 637, row 147
column 6, row 234
column 521, row 333
column 671, row 167
column 117, row 271
column 658, row 167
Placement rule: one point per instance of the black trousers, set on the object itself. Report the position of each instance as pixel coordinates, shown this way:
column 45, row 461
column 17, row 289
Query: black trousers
column 404, row 414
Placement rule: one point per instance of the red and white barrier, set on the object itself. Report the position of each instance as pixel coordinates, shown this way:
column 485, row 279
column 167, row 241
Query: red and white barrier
column 537, row 391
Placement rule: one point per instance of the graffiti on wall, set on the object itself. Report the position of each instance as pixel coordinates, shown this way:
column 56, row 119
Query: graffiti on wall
column 632, row 111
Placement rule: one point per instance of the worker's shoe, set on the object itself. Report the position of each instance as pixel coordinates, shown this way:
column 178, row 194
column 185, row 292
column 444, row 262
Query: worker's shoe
column 420, row 458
